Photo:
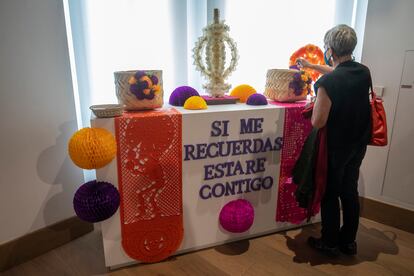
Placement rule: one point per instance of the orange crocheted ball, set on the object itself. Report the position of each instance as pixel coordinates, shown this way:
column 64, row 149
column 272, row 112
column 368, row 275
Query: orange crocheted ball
column 92, row 148
column 243, row 92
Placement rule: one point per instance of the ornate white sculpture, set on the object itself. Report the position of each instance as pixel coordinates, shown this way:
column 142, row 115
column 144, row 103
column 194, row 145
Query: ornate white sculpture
column 213, row 41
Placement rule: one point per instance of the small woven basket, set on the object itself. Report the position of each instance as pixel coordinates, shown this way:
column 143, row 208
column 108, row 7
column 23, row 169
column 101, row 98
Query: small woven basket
column 128, row 99
column 277, row 86
column 106, row 110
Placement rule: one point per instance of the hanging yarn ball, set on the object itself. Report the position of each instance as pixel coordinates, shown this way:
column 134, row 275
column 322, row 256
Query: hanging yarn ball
column 237, row 216
column 92, row 148
column 256, row 99
column 181, row 94
column 242, row 92
column 195, row 103
column 96, row 201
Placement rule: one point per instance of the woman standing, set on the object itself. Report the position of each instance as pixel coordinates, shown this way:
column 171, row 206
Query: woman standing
column 342, row 104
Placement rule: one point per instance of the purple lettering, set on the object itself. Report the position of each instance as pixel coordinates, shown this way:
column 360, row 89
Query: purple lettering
column 202, row 195
column 250, row 166
column 189, row 150
column 238, row 169
column 201, row 151
column 269, row 183
column 222, row 190
column 278, row 143
column 215, row 129
column 254, row 185
column 261, row 164
column 209, row 154
column 208, row 172
column 229, row 188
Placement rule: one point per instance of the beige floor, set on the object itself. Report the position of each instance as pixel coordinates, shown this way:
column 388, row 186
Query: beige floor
column 383, row 250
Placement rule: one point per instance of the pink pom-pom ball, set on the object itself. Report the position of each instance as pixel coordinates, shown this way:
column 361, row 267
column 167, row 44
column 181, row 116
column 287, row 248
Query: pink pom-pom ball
column 237, row 216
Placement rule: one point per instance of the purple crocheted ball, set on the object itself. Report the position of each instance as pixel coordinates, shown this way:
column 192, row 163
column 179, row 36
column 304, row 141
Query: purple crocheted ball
column 96, row 201
column 237, row 216
column 256, row 99
column 181, row 94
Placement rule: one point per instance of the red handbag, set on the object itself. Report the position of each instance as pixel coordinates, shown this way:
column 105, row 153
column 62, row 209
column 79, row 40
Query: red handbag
column 379, row 122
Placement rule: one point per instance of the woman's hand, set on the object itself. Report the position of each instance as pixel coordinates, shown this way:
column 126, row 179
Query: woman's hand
column 303, row 63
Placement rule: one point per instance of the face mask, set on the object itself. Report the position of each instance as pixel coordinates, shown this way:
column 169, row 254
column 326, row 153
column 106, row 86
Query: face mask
column 327, row 60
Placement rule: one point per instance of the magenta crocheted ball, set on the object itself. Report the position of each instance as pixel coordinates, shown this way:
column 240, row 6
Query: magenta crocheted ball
column 256, row 99
column 237, row 216
column 181, row 94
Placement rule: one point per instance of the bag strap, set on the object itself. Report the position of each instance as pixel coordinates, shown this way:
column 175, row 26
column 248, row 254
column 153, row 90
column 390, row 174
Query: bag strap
column 372, row 93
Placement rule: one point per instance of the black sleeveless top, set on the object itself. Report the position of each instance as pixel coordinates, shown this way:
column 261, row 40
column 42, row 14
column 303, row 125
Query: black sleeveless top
column 349, row 121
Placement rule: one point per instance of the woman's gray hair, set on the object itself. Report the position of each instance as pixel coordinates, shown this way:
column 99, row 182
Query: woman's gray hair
column 342, row 39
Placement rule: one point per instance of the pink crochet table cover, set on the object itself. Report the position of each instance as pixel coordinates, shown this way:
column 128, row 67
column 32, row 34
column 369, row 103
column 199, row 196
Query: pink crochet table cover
column 296, row 130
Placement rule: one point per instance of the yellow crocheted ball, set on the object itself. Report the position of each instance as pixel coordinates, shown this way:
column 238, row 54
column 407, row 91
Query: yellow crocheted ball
column 195, row 103
column 242, row 91
column 92, row 148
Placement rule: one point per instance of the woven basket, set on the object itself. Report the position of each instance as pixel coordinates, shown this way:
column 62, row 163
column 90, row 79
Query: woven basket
column 106, row 110
column 129, row 100
column 277, row 86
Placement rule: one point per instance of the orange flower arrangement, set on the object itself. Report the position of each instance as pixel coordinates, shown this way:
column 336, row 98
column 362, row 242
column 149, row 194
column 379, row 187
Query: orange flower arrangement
column 311, row 53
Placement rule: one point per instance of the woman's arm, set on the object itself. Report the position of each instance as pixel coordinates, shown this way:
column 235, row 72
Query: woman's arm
column 321, row 108
column 323, row 69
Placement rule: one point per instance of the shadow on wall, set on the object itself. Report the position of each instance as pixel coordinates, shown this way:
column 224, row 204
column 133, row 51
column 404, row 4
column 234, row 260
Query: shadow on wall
column 55, row 168
column 371, row 242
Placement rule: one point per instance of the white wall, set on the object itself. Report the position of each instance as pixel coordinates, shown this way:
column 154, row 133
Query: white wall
column 388, row 34
column 37, row 116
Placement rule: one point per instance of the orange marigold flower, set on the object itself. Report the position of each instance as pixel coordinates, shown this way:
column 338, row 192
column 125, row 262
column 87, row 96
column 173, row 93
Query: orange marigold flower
column 132, row 80
column 147, row 79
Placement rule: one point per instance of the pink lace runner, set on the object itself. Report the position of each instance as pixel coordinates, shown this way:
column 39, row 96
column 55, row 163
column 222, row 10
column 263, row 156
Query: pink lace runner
column 296, row 130
column 289, row 105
